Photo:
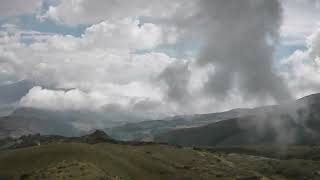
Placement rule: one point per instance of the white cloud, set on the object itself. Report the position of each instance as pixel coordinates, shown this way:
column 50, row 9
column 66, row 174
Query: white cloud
column 115, row 107
column 89, row 12
column 17, row 7
column 60, row 100
column 94, row 100
column 302, row 68
column 100, row 66
column 102, row 54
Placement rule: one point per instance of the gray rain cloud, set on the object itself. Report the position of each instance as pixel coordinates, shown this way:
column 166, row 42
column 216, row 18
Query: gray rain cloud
column 177, row 77
column 238, row 40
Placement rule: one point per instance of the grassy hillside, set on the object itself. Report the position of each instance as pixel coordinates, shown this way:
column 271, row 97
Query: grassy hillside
column 115, row 161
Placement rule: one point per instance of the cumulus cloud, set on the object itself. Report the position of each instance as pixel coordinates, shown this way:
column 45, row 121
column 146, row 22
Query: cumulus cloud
column 100, row 66
column 17, row 7
column 302, row 68
column 114, row 107
column 61, row 100
column 100, row 55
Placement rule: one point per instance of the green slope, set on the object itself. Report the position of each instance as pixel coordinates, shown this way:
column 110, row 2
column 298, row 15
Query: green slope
column 115, row 161
column 150, row 162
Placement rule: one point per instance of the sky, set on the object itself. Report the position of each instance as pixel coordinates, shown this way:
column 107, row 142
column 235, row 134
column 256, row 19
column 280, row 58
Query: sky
column 157, row 58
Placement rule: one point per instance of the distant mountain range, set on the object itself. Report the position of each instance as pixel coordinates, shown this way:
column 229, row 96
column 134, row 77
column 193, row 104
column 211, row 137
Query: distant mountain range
column 32, row 121
column 73, row 123
column 294, row 122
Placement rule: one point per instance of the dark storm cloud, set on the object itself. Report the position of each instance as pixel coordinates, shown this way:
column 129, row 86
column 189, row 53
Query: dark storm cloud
column 240, row 37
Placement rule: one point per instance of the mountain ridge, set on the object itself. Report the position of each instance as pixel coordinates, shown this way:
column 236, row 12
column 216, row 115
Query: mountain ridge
column 295, row 122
